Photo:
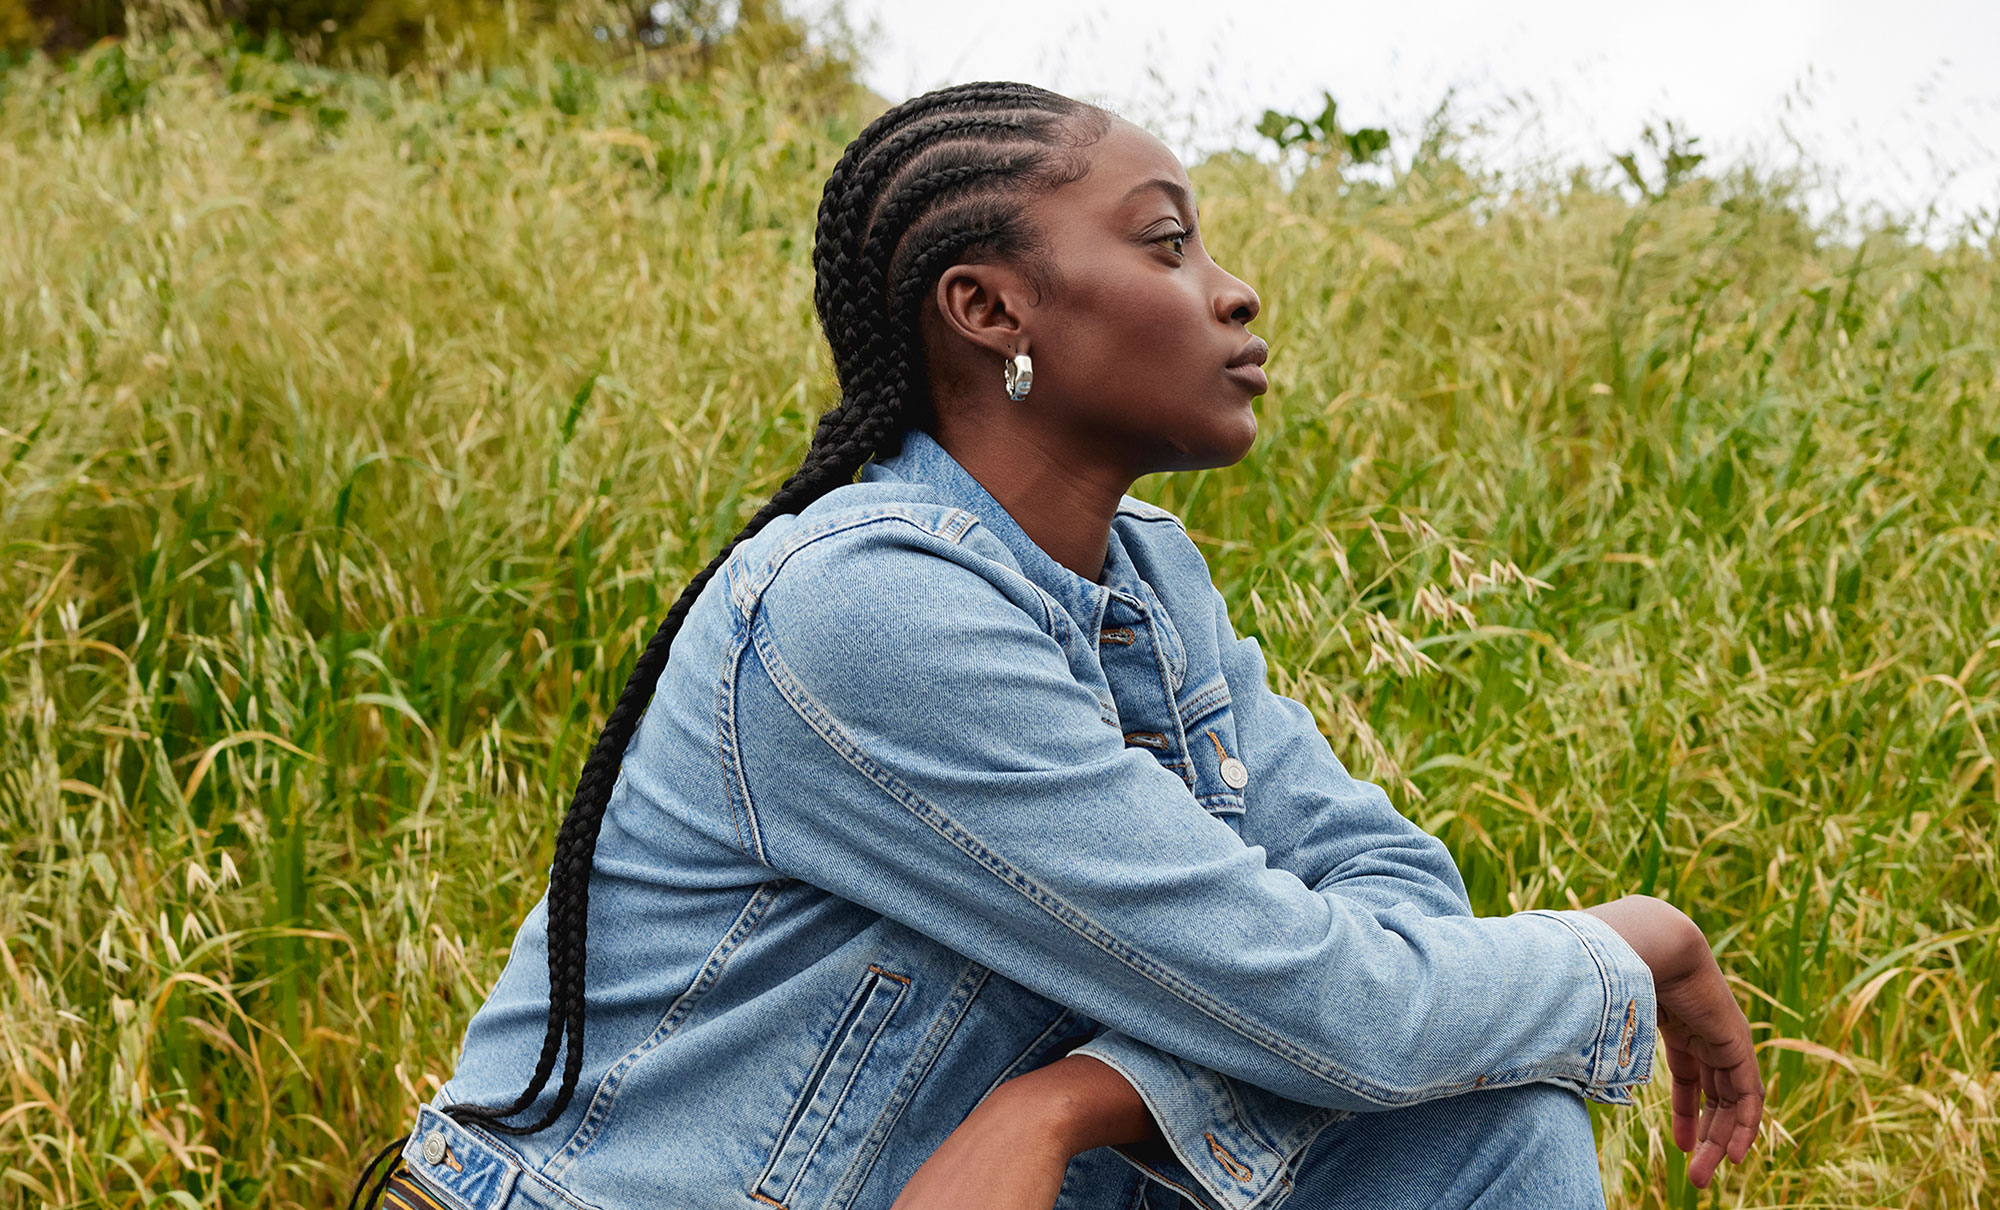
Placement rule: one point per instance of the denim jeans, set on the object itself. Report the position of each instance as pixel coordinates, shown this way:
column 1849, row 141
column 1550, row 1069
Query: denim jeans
column 1523, row 1148
column 915, row 809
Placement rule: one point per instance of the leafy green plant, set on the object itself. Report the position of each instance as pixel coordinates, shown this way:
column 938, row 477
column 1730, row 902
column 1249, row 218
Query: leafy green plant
column 1321, row 136
column 1671, row 160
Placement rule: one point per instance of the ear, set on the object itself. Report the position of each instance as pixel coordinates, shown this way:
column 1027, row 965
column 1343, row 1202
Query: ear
column 984, row 305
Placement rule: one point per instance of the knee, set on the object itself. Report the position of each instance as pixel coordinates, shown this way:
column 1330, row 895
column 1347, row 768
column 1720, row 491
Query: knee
column 1500, row 1148
column 1546, row 1146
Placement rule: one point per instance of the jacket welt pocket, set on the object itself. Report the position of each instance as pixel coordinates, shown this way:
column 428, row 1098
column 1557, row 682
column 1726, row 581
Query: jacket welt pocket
column 861, row 1025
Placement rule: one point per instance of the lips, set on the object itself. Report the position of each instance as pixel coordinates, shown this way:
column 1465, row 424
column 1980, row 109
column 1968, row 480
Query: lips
column 1253, row 354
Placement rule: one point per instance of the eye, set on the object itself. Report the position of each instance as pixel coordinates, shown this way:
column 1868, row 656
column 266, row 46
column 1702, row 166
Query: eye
column 1178, row 238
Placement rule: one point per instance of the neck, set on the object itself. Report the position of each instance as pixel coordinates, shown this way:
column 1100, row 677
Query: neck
column 1065, row 504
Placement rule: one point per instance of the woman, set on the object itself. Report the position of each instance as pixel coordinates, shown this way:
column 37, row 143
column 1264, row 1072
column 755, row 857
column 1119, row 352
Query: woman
column 961, row 856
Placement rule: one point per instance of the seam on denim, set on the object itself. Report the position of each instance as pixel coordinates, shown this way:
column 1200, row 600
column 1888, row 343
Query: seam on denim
column 815, row 1076
column 524, row 1171
column 960, row 524
column 1183, row 768
column 1606, row 1019
column 816, row 716
column 1206, row 700
column 853, row 1075
column 1063, row 1019
column 1094, row 624
column 1168, row 1181
column 445, row 1195
column 1170, row 684
column 1055, row 619
column 1168, row 648
column 735, row 782
column 1138, row 1199
column 1215, row 1193
column 1293, row 1145
column 1141, row 510
column 945, row 521
column 605, row 1097
column 768, row 1201
column 944, row 1027
column 843, row 1031
column 1245, row 1123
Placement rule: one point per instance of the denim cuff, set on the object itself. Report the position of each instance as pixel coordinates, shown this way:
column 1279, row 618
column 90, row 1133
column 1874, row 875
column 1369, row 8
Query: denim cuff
column 1621, row 1056
column 1230, row 1145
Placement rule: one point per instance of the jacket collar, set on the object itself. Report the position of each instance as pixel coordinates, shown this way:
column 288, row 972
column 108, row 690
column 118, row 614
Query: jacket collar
column 923, row 460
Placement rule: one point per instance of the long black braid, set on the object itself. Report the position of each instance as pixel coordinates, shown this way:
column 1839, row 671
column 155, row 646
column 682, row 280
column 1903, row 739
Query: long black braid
column 933, row 182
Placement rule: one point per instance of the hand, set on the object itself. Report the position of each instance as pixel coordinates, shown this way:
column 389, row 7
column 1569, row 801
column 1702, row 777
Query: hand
column 1718, row 1094
column 1010, row 1152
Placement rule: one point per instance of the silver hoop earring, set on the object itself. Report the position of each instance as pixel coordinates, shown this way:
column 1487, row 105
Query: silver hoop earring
column 1020, row 373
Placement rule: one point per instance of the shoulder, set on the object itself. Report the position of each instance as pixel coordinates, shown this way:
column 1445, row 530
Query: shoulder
column 878, row 566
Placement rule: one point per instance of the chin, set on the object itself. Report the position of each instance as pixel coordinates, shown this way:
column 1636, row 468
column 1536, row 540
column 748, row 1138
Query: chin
column 1225, row 450
column 1233, row 451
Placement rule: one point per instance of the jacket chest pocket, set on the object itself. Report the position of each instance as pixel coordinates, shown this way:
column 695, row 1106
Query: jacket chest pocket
column 811, row 1133
column 1215, row 766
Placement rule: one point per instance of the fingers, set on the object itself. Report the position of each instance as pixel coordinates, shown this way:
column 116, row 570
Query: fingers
column 1686, row 1071
column 1717, row 1105
column 1718, row 1093
column 1704, row 1127
column 1731, row 1108
column 1745, row 1133
column 1702, row 1164
column 1747, row 1084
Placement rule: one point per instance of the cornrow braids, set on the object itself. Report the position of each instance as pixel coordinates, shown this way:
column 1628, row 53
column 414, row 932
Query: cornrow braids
column 933, row 182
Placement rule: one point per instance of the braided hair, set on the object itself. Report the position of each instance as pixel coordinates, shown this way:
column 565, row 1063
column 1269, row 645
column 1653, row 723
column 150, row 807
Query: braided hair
column 936, row 181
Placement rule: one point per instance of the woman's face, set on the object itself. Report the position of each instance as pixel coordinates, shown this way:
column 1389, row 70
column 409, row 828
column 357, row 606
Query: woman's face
column 1141, row 353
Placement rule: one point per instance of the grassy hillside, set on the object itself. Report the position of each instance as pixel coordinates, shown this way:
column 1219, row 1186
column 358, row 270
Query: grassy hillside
column 353, row 433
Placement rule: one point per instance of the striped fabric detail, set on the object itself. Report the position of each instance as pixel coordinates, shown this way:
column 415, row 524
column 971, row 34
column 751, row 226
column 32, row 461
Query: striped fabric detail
column 404, row 1192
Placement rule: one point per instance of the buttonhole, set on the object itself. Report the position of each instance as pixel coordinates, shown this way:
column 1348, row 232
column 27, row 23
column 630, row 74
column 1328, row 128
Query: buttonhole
column 1230, row 1163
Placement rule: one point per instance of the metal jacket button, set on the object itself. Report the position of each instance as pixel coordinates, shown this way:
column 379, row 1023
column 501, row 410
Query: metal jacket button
column 1234, row 774
column 434, row 1147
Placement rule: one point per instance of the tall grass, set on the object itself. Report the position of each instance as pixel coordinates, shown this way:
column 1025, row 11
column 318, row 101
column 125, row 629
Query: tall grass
column 354, row 432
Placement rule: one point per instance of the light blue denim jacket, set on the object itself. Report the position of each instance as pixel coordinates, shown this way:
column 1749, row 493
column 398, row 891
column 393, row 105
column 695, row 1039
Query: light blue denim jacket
column 915, row 809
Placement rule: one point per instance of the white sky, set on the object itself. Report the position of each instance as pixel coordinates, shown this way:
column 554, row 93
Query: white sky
column 1897, row 103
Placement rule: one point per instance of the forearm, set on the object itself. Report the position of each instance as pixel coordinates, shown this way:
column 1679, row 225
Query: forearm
column 1083, row 1102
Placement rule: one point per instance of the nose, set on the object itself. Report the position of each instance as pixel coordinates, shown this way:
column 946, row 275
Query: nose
column 1236, row 302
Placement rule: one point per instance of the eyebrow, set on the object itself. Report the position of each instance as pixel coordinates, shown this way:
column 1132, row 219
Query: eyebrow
column 1175, row 191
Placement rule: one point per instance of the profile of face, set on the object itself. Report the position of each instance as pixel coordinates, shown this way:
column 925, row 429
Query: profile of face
column 1143, row 361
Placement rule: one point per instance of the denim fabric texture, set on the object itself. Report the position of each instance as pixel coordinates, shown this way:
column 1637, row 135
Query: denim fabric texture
column 916, row 809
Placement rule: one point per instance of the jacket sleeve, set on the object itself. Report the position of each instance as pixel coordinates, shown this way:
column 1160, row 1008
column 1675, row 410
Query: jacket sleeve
column 927, row 752
column 1314, row 819
column 1229, row 1143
